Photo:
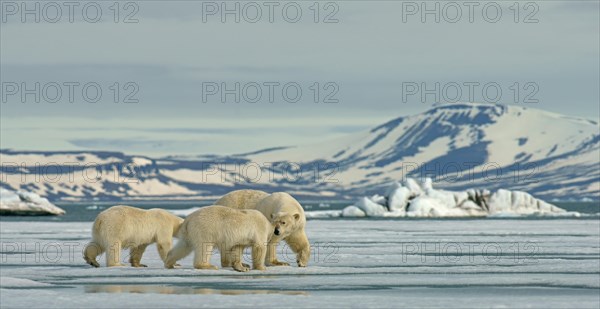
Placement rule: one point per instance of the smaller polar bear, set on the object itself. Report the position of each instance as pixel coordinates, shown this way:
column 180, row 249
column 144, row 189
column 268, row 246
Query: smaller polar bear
column 230, row 230
column 133, row 228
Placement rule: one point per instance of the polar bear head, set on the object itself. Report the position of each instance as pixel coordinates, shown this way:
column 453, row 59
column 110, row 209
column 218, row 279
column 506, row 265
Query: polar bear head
column 285, row 223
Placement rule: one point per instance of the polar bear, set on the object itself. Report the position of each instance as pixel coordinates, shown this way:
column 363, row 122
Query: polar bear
column 230, row 230
column 284, row 211
column 129, row 227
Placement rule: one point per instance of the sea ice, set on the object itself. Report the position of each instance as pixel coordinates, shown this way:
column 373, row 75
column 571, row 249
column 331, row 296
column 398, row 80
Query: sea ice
column 458, row 263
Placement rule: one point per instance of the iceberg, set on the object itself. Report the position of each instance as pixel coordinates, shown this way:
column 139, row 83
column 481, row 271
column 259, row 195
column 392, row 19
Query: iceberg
column 398, row 197
column 504, row 201
column 352, row 211
column 411, row 199
column 21, row 203
column 370, row 207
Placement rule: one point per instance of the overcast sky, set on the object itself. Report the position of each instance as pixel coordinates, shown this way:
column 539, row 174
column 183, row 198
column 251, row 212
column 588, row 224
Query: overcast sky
column 169, row 64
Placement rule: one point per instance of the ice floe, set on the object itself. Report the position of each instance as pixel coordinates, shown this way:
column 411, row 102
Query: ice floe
column 26, row 203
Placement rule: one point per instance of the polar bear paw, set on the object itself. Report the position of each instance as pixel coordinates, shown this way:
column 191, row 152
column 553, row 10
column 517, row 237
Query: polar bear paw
column 206, row 267
column 241, row 268
column 138, row 265
column 278, row 263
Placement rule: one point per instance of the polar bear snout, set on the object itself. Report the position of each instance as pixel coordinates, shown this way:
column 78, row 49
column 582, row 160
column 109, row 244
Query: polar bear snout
column 283, row 223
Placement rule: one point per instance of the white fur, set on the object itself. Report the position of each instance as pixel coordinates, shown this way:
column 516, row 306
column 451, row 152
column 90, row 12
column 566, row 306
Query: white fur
column 126, row 227
column 242, row 199
column 229, row 230
column 278, row 207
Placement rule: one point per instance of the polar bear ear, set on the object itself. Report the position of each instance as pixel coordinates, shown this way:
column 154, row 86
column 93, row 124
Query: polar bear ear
column 297, row 217
column 273, row 216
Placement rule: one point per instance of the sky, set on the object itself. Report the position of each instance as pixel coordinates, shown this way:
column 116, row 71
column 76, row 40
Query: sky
column 178, row 77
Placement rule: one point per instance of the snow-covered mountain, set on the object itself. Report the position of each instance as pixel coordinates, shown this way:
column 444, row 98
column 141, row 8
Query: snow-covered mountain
column 460, row 146
column 468, row 145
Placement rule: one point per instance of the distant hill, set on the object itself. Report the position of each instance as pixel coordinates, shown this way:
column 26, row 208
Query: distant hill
column 460, row 146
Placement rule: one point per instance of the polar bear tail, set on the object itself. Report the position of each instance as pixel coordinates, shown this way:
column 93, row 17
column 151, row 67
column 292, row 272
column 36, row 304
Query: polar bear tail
column 181, row 250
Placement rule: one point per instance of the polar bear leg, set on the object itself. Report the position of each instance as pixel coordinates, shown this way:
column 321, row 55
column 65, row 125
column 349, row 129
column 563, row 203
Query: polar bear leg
column 298, row 242
column 259, row 253
column 272, row 253
column 113, row 255
column 164, row 245
column 202, row 254
column 236, row 261
column 181, row 250
column 229, row 256
column 91, row 251
column 226, row 258
column 135, row 255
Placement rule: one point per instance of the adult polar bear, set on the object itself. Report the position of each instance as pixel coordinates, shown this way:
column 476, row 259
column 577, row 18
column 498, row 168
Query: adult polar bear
column 211, row 227
column 129, row 227
column 280, row 208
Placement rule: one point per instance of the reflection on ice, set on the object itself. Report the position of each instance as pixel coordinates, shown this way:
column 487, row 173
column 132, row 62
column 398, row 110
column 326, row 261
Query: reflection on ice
column 178, row 290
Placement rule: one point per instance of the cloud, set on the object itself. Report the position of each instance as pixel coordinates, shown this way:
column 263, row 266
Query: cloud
column 138, row 145
column 368, row 54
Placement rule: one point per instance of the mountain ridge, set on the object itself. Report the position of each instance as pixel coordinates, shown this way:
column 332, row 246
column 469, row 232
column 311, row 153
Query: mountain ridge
column 461, row 145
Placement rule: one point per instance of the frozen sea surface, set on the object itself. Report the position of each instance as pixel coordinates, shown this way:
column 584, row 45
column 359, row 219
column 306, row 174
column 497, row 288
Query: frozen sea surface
column 356, row 263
